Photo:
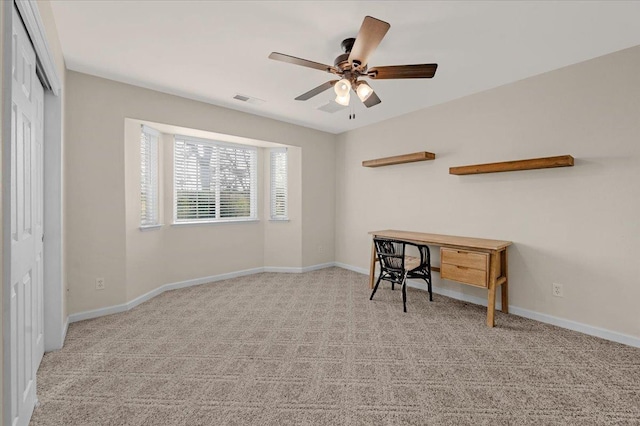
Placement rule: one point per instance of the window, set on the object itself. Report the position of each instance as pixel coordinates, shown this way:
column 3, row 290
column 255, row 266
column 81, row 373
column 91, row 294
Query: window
column 279, row 195
column 214, row 181
column 148, row 177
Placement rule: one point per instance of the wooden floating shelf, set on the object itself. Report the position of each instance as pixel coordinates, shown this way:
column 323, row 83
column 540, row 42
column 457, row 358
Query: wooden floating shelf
column 510, row 166
column 400, row 159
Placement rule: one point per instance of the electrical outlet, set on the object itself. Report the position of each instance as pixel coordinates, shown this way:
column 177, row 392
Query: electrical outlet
column 99, row 283
column 320, row 249
column 557, row 290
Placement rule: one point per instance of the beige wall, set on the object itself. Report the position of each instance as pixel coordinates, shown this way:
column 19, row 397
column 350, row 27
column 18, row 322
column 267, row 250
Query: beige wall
column 576, row 226
column 318, row 206
column 99, row 214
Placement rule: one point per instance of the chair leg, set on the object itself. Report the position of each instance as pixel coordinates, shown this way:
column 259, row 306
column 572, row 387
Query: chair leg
column 404, row 292
column 430, row 292
column 376, row 287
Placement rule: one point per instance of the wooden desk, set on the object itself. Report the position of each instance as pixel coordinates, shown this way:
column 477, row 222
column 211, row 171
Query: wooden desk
column 474, row 261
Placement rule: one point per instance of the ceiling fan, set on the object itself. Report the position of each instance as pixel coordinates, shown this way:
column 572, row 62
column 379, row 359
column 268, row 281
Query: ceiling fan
column 353, row 64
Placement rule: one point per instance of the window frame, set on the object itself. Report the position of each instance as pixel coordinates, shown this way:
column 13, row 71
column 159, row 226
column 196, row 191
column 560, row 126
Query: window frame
column 272, row 189
column 153, row 140
column 253, row 177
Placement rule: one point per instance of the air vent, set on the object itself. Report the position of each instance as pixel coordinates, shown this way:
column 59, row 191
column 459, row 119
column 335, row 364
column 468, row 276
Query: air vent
column 248, row 99
column 331, row 107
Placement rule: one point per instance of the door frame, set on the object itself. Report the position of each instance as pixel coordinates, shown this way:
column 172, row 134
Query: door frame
column 55, row 320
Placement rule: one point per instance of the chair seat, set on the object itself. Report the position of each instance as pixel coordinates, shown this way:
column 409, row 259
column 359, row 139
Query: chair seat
column 411, row 262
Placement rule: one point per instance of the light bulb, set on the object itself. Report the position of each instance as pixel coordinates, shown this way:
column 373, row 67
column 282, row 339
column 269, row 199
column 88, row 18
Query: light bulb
column 343, row 100
column 342, row 87
column 364, row 91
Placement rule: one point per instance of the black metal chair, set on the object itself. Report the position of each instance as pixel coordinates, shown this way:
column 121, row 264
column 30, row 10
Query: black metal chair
column 396, row 266
column 423, row 271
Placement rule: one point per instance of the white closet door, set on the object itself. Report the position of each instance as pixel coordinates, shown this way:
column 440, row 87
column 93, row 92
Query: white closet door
column 26, row 316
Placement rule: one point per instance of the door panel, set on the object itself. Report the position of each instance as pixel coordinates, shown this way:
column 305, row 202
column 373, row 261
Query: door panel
column 27, row 341
column 25, row 152
column 14, row 180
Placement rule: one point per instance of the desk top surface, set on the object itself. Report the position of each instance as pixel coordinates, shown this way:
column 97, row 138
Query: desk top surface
column 442, row 240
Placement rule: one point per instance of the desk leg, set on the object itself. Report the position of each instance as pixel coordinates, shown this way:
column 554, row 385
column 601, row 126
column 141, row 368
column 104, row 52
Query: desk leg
column 493, row 277
column 372, row 266
column 491, row 308
column 505, row 284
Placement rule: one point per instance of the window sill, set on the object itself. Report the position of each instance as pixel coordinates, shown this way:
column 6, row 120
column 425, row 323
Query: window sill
column 150, row 227
column 215, row 222
column 283, row 219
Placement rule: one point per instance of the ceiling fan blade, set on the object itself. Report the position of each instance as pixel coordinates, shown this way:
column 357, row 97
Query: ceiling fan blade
column 302, row 62
column 372, row 100
column 403, row 71
column 369, row 37
column 313, row 92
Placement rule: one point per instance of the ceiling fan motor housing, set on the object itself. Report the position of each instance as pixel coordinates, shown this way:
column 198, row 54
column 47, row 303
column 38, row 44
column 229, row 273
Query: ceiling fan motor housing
column 347, row 44
column 342, row 61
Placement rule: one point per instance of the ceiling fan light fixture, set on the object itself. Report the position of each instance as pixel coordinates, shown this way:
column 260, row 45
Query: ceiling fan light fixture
column 342, row 88
column 363, row 90
column 343, row 100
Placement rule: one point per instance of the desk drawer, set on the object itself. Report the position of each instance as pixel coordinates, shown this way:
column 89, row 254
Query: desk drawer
column 477, row 277
column 468, row 267
column 469, row 259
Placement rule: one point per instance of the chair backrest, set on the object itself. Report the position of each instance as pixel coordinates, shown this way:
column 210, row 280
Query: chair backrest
column 390, row 254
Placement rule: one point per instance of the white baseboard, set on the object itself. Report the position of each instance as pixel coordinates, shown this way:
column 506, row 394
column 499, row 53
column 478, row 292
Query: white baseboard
column 199, row 281
column 283, row 269
column 603, row 333
column 352, row 268
column 614, row 336
column 95, row 313
column 298, row 270
column 319, row 266
column 526, row 313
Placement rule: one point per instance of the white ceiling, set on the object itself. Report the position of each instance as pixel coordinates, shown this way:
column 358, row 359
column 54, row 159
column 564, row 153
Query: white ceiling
column 210, row 51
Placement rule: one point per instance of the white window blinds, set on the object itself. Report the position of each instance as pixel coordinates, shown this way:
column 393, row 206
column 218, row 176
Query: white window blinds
column 214, row 181
column 148, row 177
column 279, row 193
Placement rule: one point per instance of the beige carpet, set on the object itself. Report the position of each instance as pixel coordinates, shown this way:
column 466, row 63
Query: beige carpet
column 298, row 349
